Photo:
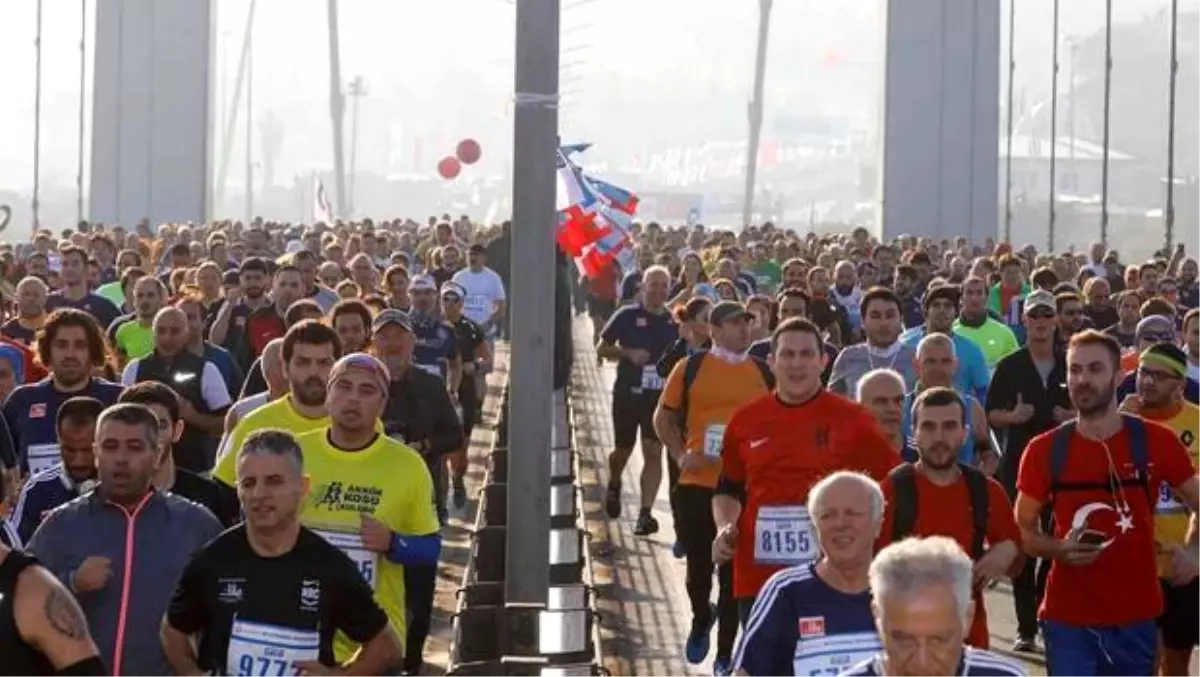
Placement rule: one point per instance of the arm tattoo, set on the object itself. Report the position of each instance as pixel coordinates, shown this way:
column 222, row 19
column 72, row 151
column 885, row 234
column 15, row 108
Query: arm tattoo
column 64, row 614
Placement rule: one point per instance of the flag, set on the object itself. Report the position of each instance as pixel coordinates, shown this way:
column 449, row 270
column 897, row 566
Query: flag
column 577, row 229
column 594, row 216
column 322, row 210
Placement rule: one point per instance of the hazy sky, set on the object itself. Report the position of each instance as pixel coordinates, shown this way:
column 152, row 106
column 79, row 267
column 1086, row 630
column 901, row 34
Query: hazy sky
column 442, row 69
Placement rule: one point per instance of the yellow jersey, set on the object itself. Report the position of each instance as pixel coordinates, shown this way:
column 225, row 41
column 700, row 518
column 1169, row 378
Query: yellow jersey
column 1170, row 514
column 387, row 480
column 280, row 414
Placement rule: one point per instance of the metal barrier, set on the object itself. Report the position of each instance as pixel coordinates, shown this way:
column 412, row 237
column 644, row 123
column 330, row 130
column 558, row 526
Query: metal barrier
column 493, row 637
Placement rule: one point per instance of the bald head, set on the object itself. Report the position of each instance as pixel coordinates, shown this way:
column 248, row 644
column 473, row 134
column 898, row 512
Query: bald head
column 881, row 391
column 31, row 296
column 170, row 331
column 272, row 367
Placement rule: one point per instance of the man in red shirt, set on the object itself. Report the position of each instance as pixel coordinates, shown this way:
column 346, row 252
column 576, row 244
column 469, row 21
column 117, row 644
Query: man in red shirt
column 775, row 449
column 936, row 497
column 1099, row 472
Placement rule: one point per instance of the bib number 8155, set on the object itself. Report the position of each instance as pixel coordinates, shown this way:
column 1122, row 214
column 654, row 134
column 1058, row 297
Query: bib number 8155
column 785, row 542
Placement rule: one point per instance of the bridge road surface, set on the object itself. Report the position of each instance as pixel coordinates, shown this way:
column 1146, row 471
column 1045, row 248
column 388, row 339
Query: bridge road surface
column 645, row 614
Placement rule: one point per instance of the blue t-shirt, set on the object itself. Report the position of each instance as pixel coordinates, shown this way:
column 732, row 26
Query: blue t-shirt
column 231, row 373
column 99, row 307
column 974, row 661
column 634, row 327
column 631, row 284
column 436, row 344
column 801, row 626
column 972, row 375
column 31, row 411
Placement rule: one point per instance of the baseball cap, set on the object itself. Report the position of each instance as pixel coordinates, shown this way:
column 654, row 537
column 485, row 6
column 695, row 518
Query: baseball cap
column 477, row 249
column 367, row 364
column 1157, row 327
column 391, row 316
column 727, row 310
column 1039, row 299
column 453, row 288
column 422, row 283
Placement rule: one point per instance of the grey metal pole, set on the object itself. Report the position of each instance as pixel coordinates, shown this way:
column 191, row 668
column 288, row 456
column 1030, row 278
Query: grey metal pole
column 756, row 108
column 1012, row 69
column 1108, row 12
column 82, row 87
column 37, row 117
column 1169, row 214
column 1053, row 130
column 357, row 90
column 249, row 122
column 337, row 107
column 535, row 137
column 231, row 115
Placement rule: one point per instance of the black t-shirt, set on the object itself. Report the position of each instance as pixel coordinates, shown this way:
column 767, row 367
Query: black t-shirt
column 284, row 609
column 220, row 500
column 470, row 336
column 635, row 327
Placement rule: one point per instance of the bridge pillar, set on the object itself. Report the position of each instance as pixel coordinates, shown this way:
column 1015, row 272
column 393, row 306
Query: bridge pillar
column 941, row 119
column 150, row 111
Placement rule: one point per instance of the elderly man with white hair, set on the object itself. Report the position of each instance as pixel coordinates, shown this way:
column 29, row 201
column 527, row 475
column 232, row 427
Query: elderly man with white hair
column 881, row 391
column 923, row 609
column 815, row 618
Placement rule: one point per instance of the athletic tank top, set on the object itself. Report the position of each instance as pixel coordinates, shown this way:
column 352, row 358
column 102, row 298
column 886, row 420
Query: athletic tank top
column 19, row 657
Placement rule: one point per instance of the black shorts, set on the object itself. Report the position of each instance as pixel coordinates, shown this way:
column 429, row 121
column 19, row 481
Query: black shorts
column 1180, row 619
column 468, row 399
column 632, row 412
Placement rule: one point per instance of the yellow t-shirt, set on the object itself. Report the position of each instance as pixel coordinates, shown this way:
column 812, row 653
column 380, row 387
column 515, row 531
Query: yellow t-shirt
column 280, row 414
column 1170, row 514
column 387, row 480
column 135, row 340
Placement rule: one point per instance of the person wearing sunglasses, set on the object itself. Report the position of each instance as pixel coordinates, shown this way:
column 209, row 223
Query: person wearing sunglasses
column 1152, row 331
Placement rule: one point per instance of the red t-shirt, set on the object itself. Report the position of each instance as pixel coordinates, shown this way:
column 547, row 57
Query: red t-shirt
column 1121, row 586
column 779, row 452
column 604, row 284
column 946, row 511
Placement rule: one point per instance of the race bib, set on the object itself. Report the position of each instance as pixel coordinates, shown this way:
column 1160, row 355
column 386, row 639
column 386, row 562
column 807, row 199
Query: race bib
column 650, row 378
column 833, row 654
column 478, row 305
column 435, row 369
column 1168, row 502
column 714, row 436
column 783, row 536
column 260, row 649
column 351, row 544
column 42, row 456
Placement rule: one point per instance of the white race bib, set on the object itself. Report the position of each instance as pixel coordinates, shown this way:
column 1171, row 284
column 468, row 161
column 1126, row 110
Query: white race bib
column 351, row 544
column 42, row 456
column 650, row 378
column 783, row 536
column 435, row 369
column 833, row 654
column 1168, row 502
column 714, row 437
column 260, row 649
column 478, row 305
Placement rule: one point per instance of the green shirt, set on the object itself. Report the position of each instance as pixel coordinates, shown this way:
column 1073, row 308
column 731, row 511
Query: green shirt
column 994, row 338
column 135, row 340
column 767, row 275
column 112, row 292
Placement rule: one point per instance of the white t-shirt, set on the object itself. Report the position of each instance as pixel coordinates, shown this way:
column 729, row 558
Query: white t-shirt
column 483, row 290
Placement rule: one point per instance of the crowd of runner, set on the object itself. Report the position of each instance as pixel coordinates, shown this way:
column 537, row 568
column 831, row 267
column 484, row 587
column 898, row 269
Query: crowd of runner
column 860, row 438
column 230, row 448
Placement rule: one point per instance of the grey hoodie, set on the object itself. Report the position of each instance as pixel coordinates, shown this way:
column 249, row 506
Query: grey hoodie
column 148, row 546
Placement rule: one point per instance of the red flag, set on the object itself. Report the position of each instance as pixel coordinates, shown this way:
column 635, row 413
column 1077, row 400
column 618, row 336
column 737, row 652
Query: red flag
column 577, row 229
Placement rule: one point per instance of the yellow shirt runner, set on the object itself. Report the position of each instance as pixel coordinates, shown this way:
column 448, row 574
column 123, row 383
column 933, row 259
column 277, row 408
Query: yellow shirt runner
column 1170, row 514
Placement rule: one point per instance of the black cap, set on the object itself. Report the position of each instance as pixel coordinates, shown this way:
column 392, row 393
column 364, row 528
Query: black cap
column 727, row 310
column 477, row 249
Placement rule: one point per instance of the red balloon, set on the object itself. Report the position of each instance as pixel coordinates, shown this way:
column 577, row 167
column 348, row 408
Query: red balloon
column 468, row 151
column 449, row 167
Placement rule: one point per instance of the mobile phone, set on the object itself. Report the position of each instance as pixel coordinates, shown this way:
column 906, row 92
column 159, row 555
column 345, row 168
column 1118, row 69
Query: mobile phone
column 1092, row 537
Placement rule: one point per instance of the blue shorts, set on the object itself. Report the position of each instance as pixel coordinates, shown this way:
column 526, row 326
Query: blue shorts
column 1100, row 650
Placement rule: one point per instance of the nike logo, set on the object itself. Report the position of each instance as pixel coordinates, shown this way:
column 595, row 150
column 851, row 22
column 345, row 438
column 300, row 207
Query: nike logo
column 754, row 444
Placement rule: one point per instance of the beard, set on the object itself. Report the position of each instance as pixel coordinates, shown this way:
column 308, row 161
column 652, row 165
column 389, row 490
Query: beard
column 940, row 456
column 310, row 393
column 1091, row 402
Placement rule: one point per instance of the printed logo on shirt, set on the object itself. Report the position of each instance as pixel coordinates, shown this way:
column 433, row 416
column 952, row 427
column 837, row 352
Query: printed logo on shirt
column 229, row 590
column 338, row 496
column 310, row 594
column 37, row 410
column 1187, row 437
column 812, row 626
column 640, row 322
column 754, row 444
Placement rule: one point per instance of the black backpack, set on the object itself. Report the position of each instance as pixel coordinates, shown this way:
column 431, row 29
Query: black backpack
column 1138, row 448
column 691, row 370
column 904, row 520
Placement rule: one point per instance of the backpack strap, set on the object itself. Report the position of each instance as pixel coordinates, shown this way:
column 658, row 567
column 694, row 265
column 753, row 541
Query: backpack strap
column 977, row 488
column 1060, row 444
column 1139, row 449
column 904, row 487
column 765, row 369
column 691, row 370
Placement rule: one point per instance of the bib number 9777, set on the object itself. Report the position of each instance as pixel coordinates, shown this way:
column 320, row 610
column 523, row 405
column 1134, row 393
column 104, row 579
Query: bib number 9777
column 262, row 666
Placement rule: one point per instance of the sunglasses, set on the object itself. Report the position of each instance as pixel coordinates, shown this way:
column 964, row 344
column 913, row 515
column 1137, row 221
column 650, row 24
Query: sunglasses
column 1158, row 336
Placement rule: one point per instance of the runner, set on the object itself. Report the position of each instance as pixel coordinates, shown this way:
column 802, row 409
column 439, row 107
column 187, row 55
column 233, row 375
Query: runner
column 701, row 393
column 941, row 309
column 815, row 619
column 1100, row 473
column 97, row 543
column 976, row 323
column 351, row 319
column 636, row 337
column 135, row 339
column 436, row 349
column 234, row 610
column 475, row 351
column 75, row 294
column 72, row 345
column 774, row 450
column 277, row 386
column 881, row 391
column 922, row 607
column 879, row 314
column 372, row 497
column 31, row 311
column 936, row 363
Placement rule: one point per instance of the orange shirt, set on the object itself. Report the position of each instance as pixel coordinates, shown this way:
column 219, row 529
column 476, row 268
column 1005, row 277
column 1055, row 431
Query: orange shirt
column 1129, row 362
column 946, row 511
column 778, row 452
column 719, row 389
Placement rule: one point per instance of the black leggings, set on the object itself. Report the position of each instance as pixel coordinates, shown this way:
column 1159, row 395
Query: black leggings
column 420, row 583
column 696, row 531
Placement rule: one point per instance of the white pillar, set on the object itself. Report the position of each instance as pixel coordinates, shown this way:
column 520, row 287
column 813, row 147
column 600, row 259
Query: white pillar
column 150, row 111
column 941, row 117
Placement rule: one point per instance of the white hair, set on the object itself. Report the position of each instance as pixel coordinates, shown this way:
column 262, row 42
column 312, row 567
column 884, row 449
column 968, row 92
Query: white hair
column 656, row 270
column 817, row 493
column 916, row 563
column 874, row 374
column 937, row 339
